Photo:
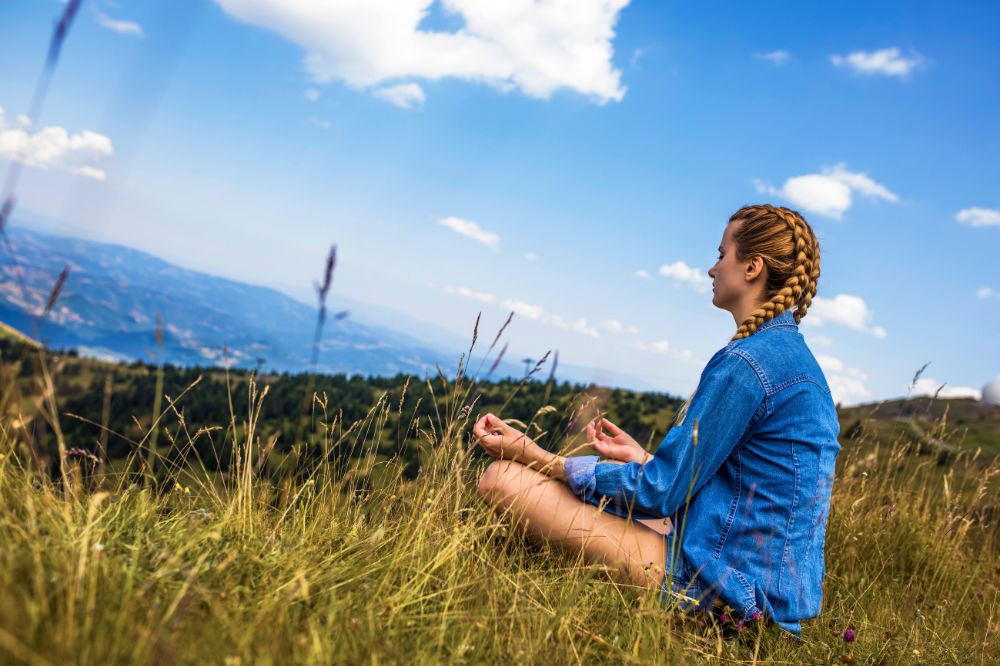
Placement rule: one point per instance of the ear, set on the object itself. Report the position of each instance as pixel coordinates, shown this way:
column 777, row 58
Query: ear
column 754, row 268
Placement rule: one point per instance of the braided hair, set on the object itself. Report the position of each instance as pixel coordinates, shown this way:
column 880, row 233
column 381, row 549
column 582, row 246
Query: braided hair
column 788, row 246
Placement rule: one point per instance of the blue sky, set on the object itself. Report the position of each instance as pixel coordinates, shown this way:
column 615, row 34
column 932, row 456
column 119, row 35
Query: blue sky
column 469, row 156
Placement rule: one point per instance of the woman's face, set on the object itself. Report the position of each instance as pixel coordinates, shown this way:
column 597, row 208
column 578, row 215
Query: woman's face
column 729, row 283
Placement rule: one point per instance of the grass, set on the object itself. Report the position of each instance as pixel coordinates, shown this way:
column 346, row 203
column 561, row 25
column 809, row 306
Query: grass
column 351, row 563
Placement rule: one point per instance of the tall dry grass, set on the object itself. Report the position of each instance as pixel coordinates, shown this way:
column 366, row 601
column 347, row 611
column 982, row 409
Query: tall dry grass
column 350, row 563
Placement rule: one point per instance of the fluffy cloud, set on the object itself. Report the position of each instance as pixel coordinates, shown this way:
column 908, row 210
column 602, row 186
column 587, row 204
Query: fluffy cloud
column 663, row 347
column 695, row 278
column 887, row 62
column 579, row 325
column 843, row 310
column 979, row 217
column 829, row 192
column 465, row 292
column 532, row 47
column 930, row 387
column 116, row 25
column 988, row 293
column 847, row 385
column 311, row 94
column 404, row 95
column 779, row 57
column 616, row 326
column 537, row 312
column 531, row 256
column 472, row 230
column 642, row 274
column 524, row 309
column 55, row 148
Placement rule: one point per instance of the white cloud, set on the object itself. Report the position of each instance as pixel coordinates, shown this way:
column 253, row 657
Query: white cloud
column 55, row 148
column 612, row 325
column 988, row 293
column 632, row 329
column 642, row 274
column 580, row 325
column 321, row 123
column 637, row 54
column 929, row 387
column 531, row 256
column 524, row 309
column 660, row 346
column 465, row 292
column 532, row 47
column 828, row 192
column 844, row 310
column 847, row 385
column 537, row 312
column 473, row 231
column 663, row 348
column 779, row 57
column 116, row 25
column 311, row 94
column 403, row 95
column 695, row 278
column 979, row 217
column 888, row 62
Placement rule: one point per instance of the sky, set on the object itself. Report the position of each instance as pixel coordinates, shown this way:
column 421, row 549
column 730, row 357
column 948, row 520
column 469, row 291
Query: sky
column 573, row 161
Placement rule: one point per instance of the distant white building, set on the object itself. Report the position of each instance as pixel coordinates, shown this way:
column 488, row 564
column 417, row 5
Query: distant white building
column 991, row 392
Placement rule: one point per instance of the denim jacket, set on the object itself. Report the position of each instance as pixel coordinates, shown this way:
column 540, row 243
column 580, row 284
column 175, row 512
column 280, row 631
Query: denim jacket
column 749, row 495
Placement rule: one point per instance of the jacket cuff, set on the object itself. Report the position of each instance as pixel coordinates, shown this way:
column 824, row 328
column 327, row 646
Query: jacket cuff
column 580, row 476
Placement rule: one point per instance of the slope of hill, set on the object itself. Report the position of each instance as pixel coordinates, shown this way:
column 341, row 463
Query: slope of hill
column 114, row 295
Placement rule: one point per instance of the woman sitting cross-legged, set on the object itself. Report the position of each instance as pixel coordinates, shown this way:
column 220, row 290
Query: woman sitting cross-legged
column 731, row 508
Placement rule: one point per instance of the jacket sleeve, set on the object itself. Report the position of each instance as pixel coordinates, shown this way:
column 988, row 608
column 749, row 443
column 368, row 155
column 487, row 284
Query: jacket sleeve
column 727, row 404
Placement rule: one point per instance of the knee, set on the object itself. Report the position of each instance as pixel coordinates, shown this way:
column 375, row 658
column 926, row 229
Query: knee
column 495, row 479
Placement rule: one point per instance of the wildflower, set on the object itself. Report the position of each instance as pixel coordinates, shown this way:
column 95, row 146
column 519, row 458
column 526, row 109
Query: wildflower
column 740, row 625
column 849, row 635
column 756, row 616
column 98, row 546
column 724, row 618
column 979, row 594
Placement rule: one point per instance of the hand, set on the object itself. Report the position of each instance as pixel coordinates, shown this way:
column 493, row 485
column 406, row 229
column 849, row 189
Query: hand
column 614, row 444
column 503, row 441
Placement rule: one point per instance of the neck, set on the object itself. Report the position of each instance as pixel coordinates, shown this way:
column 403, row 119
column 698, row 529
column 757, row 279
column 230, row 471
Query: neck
column 744, row 310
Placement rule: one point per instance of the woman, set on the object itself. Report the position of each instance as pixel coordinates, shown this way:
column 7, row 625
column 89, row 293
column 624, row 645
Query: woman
column 745, row 474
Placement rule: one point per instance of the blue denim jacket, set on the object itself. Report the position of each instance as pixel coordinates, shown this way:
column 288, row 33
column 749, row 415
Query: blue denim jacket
column 749, row 499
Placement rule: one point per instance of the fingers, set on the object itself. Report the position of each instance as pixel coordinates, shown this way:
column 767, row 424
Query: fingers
column 615, row 430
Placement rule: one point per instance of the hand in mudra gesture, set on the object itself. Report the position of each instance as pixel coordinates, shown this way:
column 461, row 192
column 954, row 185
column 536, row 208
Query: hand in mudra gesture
column 501, row 440
column 615, row 443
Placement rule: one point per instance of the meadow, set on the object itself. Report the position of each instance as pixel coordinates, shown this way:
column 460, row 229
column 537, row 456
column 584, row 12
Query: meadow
column 350, row 559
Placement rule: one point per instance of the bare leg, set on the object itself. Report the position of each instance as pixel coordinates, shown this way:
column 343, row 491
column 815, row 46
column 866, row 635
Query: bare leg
column 549, row 511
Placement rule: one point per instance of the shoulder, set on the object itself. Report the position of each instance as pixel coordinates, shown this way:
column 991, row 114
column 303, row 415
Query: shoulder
column 732, row 366
column 780, row 358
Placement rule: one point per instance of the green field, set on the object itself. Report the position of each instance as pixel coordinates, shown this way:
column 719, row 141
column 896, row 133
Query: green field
column 361, row 540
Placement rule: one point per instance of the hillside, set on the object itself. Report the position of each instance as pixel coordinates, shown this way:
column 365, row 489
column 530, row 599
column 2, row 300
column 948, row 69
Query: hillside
column 357, row 548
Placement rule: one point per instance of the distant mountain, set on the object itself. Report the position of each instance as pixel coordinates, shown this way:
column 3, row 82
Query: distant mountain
column 111, row 300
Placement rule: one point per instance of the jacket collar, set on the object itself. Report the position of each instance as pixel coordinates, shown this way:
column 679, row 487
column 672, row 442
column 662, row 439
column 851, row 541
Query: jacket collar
column 786, row 318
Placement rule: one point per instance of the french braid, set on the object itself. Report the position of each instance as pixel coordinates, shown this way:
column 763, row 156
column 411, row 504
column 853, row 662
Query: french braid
column 764, row 228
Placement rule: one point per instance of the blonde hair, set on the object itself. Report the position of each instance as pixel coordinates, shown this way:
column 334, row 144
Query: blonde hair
column 788, row 246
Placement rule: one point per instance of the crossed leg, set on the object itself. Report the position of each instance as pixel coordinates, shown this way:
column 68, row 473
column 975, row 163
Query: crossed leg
column 548, row 511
